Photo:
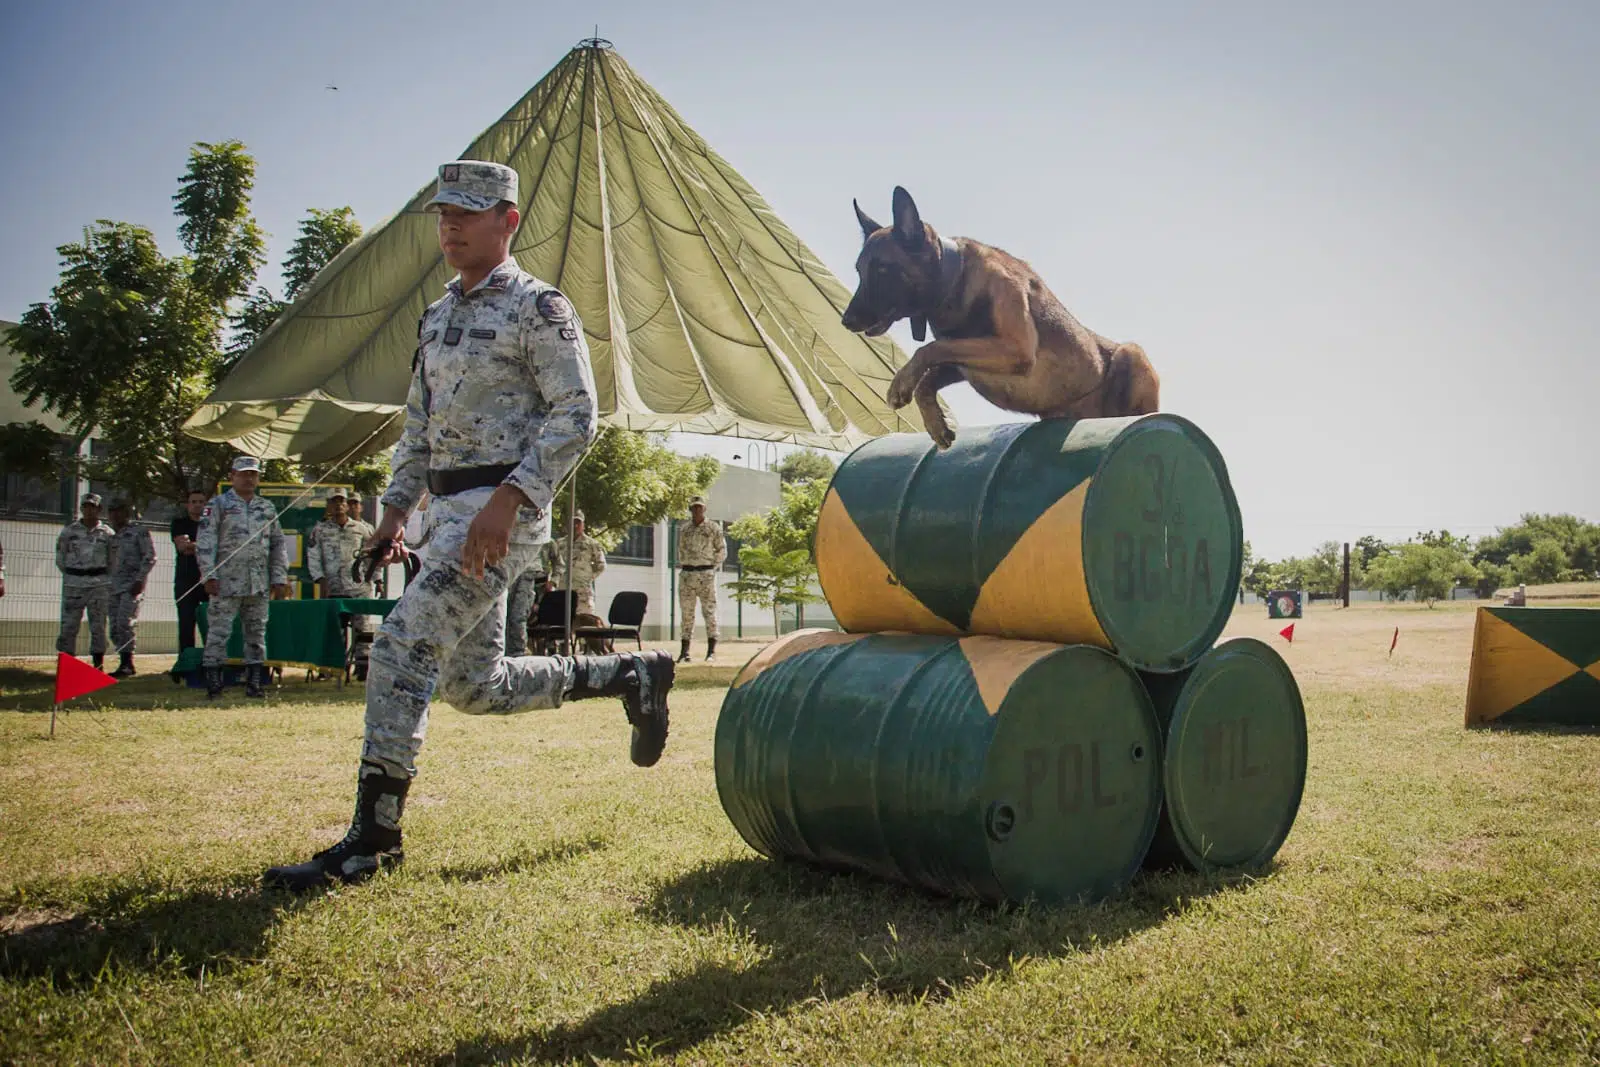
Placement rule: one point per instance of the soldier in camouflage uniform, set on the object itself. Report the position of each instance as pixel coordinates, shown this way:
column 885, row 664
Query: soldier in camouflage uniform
column 524, row 597
column 243, row 558
column 701, row 550
column 83, row 556
column 335, row 543
column 588, row 560
column 501, row 408
column 133, row 556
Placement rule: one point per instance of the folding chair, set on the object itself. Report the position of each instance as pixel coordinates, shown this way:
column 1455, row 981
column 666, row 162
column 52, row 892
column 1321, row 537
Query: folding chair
column 549, row 630
column 625, row 617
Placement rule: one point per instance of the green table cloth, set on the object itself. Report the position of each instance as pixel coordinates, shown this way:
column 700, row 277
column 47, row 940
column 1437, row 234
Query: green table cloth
column 303, row 633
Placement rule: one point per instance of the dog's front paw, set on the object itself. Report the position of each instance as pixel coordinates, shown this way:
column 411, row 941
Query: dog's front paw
column 901, row 388
column 943, row 436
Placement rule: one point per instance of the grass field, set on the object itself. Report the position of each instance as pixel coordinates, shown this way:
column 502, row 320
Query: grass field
column 1437, row 902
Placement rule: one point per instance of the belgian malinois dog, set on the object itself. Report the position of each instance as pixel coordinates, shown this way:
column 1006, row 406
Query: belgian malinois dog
column 995, row 324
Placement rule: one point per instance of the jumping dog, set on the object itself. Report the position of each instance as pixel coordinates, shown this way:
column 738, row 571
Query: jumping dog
column 995, row 324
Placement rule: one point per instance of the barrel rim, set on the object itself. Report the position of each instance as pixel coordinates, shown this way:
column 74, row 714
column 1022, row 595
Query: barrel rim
column 1152, row 723
column 1207, row 640
column 1259, row 651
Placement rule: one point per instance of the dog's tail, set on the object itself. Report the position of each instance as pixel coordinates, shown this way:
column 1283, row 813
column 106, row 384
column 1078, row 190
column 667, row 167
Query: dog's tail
column 1131, row 384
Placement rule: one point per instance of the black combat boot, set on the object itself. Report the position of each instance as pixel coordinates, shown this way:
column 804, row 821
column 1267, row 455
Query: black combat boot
column 99, row 660
column 711, row 649
column 372, row 843
column 683, row 657
column 642, row 680
column 254, row 676
column 124, row 666
column 213, row 682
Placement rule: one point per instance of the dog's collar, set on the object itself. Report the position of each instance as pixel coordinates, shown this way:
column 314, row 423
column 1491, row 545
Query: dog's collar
column 949, row 273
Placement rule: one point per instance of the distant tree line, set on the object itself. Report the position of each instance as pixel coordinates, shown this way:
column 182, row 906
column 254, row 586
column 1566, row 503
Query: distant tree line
column 1538, row 550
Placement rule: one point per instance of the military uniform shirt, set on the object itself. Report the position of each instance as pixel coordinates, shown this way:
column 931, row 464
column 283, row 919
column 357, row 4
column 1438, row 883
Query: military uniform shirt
column 588, row 560
column 134, row 557
column 81, row 547
column 701, row 546
column 502, row 376
column 333, row 548
column 241, row 545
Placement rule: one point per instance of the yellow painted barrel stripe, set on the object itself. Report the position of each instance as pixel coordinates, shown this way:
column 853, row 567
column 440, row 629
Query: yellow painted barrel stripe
column 1039, row 588
column 1508, row 668
column 861, row 592
column 791, row 644
column 997, row 662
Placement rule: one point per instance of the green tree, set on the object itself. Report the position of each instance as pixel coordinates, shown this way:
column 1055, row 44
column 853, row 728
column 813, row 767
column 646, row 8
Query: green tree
column 1545, row 561
column 632, row 479
column 1578, row 540
column 1492, row 577
column 1368, row 548
column 772, row 579
column 323, row 235
column 1324, row 570
column 213, row 199
column 124, row 348
column 805, row 465
column 1428, row 570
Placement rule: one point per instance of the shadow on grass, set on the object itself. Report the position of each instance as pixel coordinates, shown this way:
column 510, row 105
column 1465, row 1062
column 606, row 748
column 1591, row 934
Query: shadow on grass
column 143, row 928
column 558, row 852
column 828, row 934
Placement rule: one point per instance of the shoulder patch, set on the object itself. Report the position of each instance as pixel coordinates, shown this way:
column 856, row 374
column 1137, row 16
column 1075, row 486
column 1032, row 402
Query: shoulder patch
column 553, row 307
column 206, row 514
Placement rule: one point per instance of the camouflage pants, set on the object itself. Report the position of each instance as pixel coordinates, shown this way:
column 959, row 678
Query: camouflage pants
column 76, row 598
column 697, row 586
column 124, row 620
column 520, row 602
column 359, row 624
column 252, row 613
column 448, row 632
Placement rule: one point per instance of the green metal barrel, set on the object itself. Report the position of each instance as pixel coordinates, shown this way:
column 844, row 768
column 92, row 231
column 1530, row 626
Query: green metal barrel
column 974, row 767
column 1119, row 533
column 1234, row 758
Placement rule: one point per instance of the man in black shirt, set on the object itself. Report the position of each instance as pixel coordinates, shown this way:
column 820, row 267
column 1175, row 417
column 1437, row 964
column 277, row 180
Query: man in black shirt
column 187, row 588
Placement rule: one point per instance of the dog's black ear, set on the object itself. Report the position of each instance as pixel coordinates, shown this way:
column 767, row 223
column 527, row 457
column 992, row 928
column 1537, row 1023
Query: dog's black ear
column 868, row 226
column 907, row 223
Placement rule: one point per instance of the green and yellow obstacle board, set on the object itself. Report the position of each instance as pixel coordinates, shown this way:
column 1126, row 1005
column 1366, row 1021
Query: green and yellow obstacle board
column 1535, row 666
column 1028, row 701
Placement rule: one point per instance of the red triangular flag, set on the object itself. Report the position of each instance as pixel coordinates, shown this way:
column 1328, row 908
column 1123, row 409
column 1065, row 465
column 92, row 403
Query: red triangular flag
column 1395, row 640
column 1287, row 633
column 75, row 678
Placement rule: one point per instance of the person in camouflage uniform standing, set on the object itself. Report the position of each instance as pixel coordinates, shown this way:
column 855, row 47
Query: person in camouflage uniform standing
column 242, row 556
column 501, row 408
column 83, row 556
column 133, row 557
column 524, row 597
column 588, row 560
column 335, row 543
column 701, row 550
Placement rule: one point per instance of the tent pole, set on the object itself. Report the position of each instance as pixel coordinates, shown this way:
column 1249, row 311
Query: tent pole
column 572, row 529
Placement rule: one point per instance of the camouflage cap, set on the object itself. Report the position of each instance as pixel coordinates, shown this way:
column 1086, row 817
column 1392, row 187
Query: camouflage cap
column 92, row 498
column 120, row 503
column 337, row 494
column 247, row 463
column 698, row 502
column 578, row 515
column 474, row 185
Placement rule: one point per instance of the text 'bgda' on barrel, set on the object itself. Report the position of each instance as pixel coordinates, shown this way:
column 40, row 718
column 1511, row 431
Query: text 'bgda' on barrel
column 975, row 767
column 1119, row 533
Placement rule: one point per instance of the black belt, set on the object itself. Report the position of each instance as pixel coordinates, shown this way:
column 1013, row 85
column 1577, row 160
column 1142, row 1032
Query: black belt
column 446, row 483
column 701, row 567
column 85, row 572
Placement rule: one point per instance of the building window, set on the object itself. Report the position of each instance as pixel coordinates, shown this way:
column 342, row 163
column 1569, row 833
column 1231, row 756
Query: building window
column 41, row 497
column 637, row 546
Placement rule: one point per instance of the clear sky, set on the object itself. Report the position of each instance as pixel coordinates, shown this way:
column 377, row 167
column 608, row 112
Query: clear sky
column 1361, row 242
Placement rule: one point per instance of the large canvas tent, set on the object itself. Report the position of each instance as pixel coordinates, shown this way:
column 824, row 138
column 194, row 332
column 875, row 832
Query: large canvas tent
column 703, row 312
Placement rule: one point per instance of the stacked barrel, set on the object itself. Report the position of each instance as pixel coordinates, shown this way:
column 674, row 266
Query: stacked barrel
column 1028, row 700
